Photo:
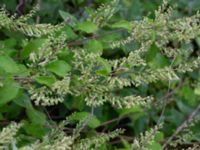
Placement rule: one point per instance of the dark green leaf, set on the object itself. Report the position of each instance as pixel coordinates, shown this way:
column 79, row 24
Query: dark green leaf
column 93, row 123
column 94, row 46
column 24, row 101
column 105, row 67
column 59, row 67
column 46, row 80
column 32, row 46
column 8, row 91
column 70, row 19
column 36, row 116
column 34, row 130
column 8, row 65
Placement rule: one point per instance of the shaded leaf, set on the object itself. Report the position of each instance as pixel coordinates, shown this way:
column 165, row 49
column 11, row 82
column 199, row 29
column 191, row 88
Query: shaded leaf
column 46, row 80
column 70, row 19
column 93, row 123
column 59, row 67
column 94, row 46
column 8, row 65
column 36, row 116
column 8, row 91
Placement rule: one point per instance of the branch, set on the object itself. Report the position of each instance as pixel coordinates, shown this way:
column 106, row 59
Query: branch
column 21, row 7
column 82, row 41
column 38, row 17
column 165, row 100
column 19, row 79
column 114, row 120
column 183, row 125
column 89, row 2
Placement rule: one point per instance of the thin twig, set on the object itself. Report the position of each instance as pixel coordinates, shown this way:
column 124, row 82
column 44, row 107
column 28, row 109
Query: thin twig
column 114, row 120
column 166, row 101
column 21, row 7
column 19, row 79
column 39, row 6
column 117, row 141
column 82, row 41
column 183, row 125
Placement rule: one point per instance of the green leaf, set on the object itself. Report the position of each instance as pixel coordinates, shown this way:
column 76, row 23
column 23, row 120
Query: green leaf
column 59, row 67
column 8, row 65
column 198, row 41
column 23, row 71
column 152, row 52
column 34, row 130
column 183, row 107
column 87, row 27
column 77, row 2
column 12, row 110
column 93, row 123
column 174, row 117
column 188, row 94
column 70, row 19
column 24, row 101
column 125, row 143
column 1, row 116
column 71, row 35
column 159, row 136
column 155, row 59
column 36, row 116
column 32, row 46
column 125, row 111
column 11, row 42
column 94, row 46
column 9, row 91
column 105, row 68
column 46, row 80
column 197, row 91
column 122, row 24
column 154, row 146
column 109, row 38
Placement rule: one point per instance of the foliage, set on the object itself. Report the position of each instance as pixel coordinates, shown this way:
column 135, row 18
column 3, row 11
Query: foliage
column 101, row 65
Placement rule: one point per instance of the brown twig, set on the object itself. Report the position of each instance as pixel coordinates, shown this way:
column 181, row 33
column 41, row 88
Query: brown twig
column 82, row 41
column 183, row 125
column 166, row 101
column 21, row 7
column 38, row 17
column 20, row 79
column 114, row 120
column 169, row 94
column 119, row 140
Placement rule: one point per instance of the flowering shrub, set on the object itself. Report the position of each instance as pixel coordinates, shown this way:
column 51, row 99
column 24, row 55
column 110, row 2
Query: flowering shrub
column 73, row 69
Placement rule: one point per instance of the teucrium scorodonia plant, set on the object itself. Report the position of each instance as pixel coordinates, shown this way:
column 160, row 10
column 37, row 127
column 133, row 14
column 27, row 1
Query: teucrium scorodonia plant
column 55, row 64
